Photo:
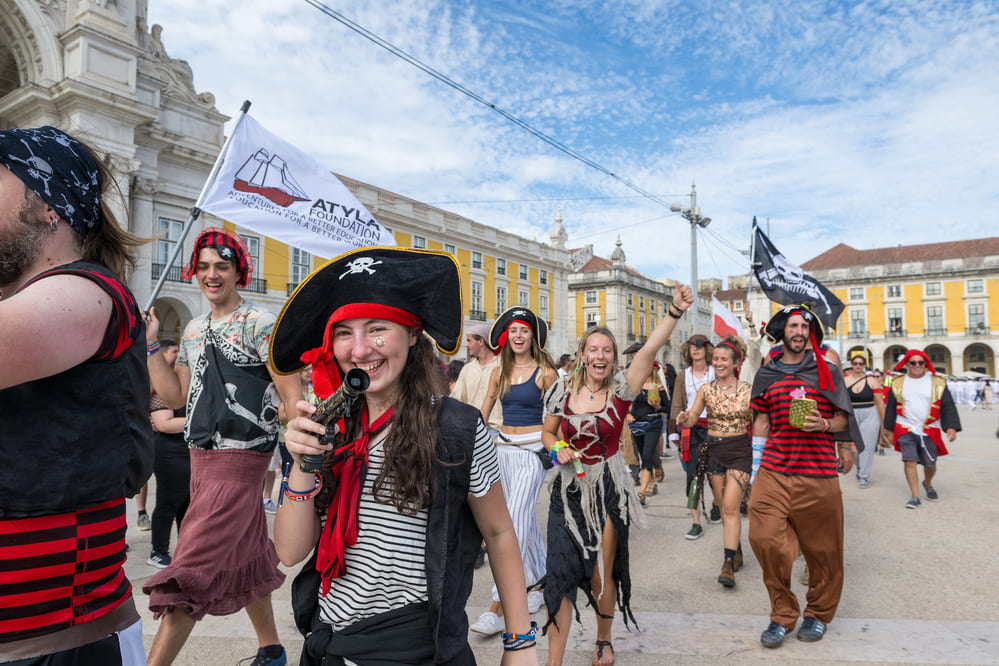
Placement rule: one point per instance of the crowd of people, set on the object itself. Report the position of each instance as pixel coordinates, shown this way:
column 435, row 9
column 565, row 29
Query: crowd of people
column 389, row 504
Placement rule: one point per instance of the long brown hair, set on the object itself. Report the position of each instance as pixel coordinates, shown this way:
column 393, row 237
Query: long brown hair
column 538, row 355
column 410, row 447
column 108, row 243
column 579, row 373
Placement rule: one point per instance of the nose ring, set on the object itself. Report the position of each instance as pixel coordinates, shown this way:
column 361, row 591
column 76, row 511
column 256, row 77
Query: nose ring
column 379, row 341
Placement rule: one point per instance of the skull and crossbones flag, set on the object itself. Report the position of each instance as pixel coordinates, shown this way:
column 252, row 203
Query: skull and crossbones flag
column 269, row 186
column 786, row 284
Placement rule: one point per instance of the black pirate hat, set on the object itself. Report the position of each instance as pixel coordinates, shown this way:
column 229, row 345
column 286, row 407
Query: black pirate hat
column 421, row 288
column 497, row 334
column 774, row 330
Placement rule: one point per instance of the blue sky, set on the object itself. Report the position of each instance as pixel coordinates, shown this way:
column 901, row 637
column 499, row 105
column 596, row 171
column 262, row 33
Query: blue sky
column 868, row 123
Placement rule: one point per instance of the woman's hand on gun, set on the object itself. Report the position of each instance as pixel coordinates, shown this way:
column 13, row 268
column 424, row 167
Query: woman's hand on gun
column 302, row 437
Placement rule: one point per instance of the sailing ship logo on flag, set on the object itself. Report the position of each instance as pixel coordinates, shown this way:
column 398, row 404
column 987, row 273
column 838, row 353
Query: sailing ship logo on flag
column 268, row 176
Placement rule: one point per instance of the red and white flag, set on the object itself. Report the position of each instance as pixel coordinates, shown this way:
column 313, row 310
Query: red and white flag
column 726, row 323
column 269, row 186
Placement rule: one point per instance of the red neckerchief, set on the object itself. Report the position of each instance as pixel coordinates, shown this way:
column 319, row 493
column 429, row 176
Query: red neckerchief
column 350, row 466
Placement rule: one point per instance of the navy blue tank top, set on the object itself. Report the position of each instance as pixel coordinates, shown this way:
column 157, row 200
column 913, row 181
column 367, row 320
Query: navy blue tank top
column 522, row 404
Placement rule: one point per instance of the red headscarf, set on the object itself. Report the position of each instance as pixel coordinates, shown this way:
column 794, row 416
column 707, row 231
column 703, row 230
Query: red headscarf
column 915, row 352
column 230, row 247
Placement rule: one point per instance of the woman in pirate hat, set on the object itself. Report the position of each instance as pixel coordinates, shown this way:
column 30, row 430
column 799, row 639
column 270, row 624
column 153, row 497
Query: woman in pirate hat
column 593, row 505
column 525, row 373
column 410, row 481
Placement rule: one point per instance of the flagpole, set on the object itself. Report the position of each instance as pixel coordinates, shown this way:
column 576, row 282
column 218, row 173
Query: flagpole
column 196, row 209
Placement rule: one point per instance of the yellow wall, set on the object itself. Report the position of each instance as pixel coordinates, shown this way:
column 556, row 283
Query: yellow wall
column 876, row 321
column 955, row 312
column 915, row 321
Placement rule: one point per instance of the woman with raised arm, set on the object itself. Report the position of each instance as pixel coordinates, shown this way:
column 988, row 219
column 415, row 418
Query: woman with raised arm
column 593, row 497
column 524, row 375
column 728, row 444
column 410, row 482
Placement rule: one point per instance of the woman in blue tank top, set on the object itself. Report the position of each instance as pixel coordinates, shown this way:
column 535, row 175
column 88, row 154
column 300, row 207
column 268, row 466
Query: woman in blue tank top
column 519, row 383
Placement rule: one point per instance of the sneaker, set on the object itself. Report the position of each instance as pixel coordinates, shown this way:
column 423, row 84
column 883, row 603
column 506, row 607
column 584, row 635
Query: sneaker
column 727, row 575
column 773, row 636
column 269, row 506
column 142, row 522
column 715, row 514
column 667, row 454
column 534, row 601
column 262, row 658
column 694, row 532
column 804, row 576
column 863, row 484
column 159, row 560
column 931, row 493
column 488, row 624
column 913, row 503
column 811, row 630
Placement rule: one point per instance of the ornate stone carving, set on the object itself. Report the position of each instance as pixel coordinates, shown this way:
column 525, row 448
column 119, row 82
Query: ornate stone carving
column 176, row 74
column 144, row 186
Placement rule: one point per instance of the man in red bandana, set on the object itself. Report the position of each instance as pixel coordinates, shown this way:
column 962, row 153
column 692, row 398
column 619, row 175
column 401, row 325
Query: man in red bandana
column 224, row 560
column 919, row 406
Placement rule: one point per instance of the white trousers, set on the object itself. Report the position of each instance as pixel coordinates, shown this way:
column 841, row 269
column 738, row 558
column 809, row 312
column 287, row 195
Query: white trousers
column 522, row 476
column 870, row 431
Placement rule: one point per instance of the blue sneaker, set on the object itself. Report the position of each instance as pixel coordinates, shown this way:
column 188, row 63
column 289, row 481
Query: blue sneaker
column 773, row 637
column 811, row 630
column 262, row 658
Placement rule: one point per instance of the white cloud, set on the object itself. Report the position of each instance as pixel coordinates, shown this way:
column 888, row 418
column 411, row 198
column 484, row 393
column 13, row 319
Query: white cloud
column 870, row 123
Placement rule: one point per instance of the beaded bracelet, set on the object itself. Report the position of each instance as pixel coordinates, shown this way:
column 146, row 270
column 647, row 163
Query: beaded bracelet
column 153, row 348
column 296, row 496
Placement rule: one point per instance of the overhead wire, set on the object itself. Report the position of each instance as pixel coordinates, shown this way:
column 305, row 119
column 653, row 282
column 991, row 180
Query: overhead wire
column 448, row 81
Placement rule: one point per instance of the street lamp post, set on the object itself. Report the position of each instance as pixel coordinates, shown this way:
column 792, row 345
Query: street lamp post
column 692, row 215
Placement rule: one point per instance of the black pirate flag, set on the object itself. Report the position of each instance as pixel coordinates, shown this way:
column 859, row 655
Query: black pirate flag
column 786, row 284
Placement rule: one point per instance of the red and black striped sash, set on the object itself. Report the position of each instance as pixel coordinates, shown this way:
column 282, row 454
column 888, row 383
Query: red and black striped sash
column 61, row 570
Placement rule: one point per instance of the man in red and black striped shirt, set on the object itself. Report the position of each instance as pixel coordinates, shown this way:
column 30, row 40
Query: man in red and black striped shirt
column 796, row 497
column 75, row 437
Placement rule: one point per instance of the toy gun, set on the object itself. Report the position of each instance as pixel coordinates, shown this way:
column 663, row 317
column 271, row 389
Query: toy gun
column 334, row 408
column 576, row 464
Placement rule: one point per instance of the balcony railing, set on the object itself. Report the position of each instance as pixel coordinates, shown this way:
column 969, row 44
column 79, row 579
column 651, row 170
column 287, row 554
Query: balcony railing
column 857, row 334
column 292, row 286
column 172, row 276
column 978, row 329
column 935, row 331
column 895, row 333
column 477, row 315
column 258, row 285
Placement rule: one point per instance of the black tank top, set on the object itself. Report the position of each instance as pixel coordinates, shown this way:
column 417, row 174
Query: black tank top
column 864, row 397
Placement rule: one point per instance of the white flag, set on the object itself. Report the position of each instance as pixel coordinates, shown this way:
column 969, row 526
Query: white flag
column 726, row 323
column 275, row 189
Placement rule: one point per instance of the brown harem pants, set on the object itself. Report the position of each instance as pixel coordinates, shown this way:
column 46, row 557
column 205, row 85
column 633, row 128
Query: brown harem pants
column 786, row 511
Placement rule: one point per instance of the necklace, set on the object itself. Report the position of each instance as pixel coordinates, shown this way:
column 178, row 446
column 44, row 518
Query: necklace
column 726, row 388
column 523, row 365
column 592, row 392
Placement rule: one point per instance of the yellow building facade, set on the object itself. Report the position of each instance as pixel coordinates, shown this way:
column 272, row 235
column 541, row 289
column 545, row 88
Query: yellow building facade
column 936, row 297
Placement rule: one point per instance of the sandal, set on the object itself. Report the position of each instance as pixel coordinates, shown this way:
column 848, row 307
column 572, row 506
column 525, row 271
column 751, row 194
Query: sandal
column 597, row 659
column 641, row 497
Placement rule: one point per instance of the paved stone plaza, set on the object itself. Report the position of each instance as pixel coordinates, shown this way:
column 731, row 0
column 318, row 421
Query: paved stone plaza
column 921, row 586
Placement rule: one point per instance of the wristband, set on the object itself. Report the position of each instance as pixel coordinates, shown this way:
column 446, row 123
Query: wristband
column 297, row 496
column 153, row 348
column 825, row 424
column 674, row 311
column 529, row 636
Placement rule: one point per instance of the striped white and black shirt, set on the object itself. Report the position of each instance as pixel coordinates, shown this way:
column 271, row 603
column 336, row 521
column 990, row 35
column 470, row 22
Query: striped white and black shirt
column 385, row 568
